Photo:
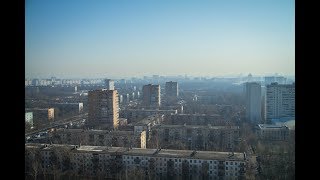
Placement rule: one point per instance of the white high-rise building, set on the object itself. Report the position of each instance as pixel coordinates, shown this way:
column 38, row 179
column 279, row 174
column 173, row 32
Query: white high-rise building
column 253, row 101
column 280, row 101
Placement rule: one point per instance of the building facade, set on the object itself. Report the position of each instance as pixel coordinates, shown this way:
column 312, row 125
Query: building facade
column 253, row 102
column 171, row 91
column 120, row 163
column 103, row 108
column 280, row 101
column 51, row 114
column 222, row 138
column 29, row 118
column 194, row 119
column 137, row 114
column 272, row 132
column 151, row 95
column 109, row 84
column 99, row 138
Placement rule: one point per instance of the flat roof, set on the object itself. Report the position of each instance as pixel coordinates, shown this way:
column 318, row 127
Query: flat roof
column 150, row 110
column 168, row 153
column 195, row 115
column 146, row 120
column 95, row 131
column 196, row 126
column 271, row 126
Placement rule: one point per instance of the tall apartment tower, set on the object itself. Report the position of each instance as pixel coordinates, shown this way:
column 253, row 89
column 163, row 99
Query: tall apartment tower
column 103, row 108
column 151, row 95
column 171, row 89
column 253, row 101
column 280, row 101
column 109, row 84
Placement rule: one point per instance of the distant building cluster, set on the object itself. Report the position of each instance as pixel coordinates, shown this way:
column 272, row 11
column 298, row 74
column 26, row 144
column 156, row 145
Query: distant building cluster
column 40, row 115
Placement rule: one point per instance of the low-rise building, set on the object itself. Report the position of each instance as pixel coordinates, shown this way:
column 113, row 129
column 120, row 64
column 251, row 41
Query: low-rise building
column 100, row 137
column 112, row 162
column 194, row 119
column 272, row 132
column 138, row 114
column 29, row 118
column 223, row 138
column 147, row 123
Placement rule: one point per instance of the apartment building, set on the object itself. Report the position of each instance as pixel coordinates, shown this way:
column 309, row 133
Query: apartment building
column 223, row 138
column 100, row 138
column 272, row 132
column 114, row 162
column 103, row 109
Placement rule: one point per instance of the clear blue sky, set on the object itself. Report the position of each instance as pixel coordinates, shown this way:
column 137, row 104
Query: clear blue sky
column 124, row 38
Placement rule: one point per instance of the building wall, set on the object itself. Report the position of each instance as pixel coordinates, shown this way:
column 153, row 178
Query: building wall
column 253, row 102
column 171, row 92
column 151, row 95
column 29, row 118
column 280, row 100
column 199, row 137
column 280, row 133
column 92, row 163
column 100, row 138
column 138, row 114
column 193, row 119
column 51, row 114
column 109, row 84
column 103, row 108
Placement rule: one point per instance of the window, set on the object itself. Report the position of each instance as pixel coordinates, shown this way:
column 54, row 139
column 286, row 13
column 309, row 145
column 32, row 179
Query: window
column 226, row 168
column 175, row 160
column 210, row 162
column 226, row 163
column 194, row 161
column 231, row 163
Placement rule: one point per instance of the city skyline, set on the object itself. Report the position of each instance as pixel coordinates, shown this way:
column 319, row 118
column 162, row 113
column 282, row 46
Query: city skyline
column 130, row 39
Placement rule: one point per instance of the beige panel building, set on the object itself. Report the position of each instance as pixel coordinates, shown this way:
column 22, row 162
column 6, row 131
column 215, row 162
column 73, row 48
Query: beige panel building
column 151, row 95
column 116, row 162
column 51, row 114
column 103, row 108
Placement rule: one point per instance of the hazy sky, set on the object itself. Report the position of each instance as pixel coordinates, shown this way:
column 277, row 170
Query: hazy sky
column 124, row 38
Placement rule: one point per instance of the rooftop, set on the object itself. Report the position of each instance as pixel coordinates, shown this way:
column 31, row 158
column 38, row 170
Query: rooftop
column 196, row 126
column 169, row 153
column 271, row 126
